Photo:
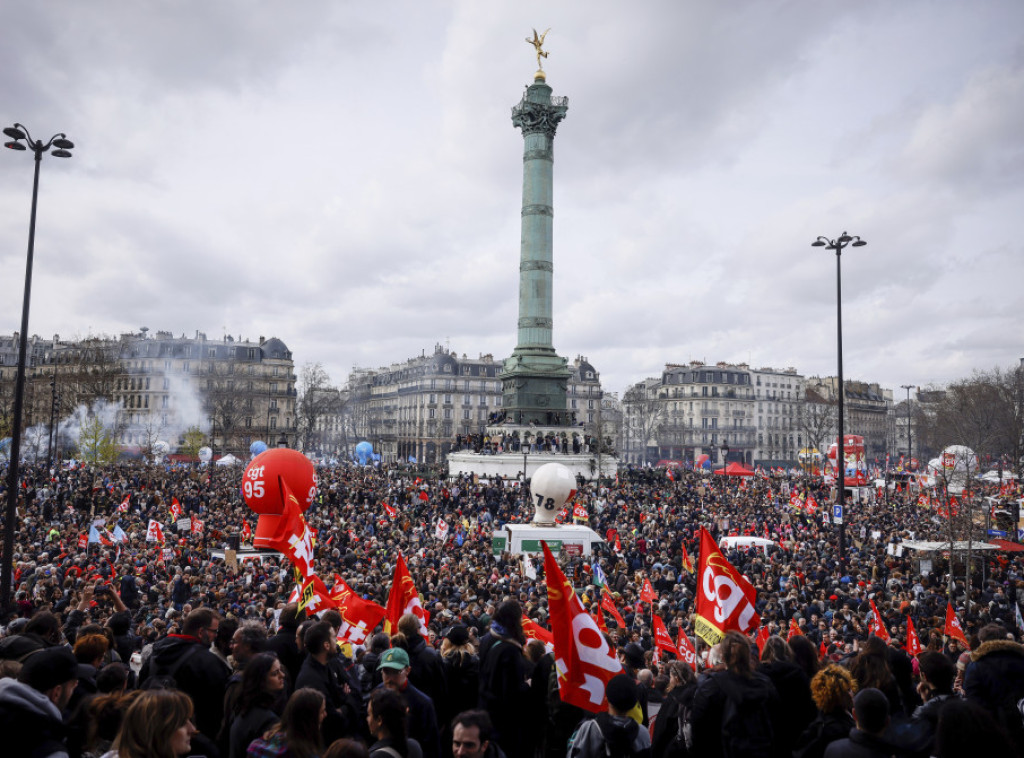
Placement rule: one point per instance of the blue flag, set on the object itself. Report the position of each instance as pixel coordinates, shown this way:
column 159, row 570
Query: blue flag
column 94, row 535
column 599, row 578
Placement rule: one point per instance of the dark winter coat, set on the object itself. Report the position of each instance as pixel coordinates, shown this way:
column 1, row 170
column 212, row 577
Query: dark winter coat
column 202, row 675
column 504, row 692
column 427, row 672
column 794, row 690
column 822, row 732
column 995, row 681
column 709, row 707
column 666, row 725
column 860, row 745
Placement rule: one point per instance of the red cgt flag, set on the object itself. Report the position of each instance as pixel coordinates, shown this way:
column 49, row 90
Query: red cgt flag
column 175, row 508
column 762, row 637
column 584, row 660
column 535, row 631
column 389, row 510
column 687, row 560
column 953, row 628
column 607, row 604
column 725, row 600
column 647, row 592
column 662, row 638
column 358, row 617
column 794, row 630
column 685, row 648
column 878, row 624
column 403, row 598
column 913, row 646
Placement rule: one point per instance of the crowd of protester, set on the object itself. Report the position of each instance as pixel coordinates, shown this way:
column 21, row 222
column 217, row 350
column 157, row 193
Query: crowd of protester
column 134, row 648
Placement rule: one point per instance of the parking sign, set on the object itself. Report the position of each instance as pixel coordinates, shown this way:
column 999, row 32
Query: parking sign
column 837, row 514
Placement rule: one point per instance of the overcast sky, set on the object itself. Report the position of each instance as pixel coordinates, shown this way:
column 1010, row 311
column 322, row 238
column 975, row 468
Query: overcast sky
column 346, row 176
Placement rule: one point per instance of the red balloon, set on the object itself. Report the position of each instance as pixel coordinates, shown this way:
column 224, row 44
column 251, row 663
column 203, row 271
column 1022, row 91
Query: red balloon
column 261, row 482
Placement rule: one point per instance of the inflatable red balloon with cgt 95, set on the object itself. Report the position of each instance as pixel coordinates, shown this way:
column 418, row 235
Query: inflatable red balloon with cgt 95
column 263, row 493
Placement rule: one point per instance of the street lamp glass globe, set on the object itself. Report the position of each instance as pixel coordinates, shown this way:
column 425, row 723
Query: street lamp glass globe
column 14, row 133
column 61, row 153
column 14, row 145
column 818, row 243
column 859, row 243
column 63, row 144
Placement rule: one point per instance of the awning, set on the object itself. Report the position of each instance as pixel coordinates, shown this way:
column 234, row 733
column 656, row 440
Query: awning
column 959, row 545
column 1010, row 547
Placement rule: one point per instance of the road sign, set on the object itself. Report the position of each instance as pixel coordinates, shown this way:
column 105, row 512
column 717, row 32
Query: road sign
column 837, row 514
column 997, row 533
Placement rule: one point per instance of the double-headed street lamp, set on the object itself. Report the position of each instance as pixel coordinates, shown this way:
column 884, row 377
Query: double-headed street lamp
column 20, row 139
column 843, row 240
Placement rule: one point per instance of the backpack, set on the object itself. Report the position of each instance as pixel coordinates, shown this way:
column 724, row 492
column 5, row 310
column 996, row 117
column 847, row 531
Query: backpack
column 684, row 727
column 746, row 723
column 275, row 747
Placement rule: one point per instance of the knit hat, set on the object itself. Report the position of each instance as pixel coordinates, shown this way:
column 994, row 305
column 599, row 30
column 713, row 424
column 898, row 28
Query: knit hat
column 46, row 669
column 634, row 655
column 458, row 634
column 621, row 693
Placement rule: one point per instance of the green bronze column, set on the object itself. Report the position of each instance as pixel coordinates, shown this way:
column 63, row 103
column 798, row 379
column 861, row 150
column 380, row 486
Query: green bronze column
column 534, row 377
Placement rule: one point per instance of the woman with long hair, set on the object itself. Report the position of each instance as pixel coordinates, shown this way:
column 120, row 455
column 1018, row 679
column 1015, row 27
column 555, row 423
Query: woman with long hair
column 833, row 689
column 667, row 739
column 298, row 734
column 871, row 668
column 794, row 688
column 386, row 716
column 158, row 724
column 263, row 682
column 738, row 683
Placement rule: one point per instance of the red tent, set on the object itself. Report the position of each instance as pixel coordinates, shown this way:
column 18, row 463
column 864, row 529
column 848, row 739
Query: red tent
column 734, row 469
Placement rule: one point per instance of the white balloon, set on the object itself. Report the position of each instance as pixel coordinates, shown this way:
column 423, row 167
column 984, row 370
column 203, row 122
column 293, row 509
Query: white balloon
column 205, row 454
column 550, row 486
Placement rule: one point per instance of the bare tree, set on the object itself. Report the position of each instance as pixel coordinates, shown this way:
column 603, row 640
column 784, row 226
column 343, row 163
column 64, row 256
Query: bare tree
column 317, row 401
column 645, row 413
column 819, row 420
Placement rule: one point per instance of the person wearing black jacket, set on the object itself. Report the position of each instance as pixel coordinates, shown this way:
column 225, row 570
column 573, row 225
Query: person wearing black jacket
column 427, row 673
column 794, row 690
column 283, row 644
column 186, row 658
column 832, row 690
column 317, row 673
column 682, row 686
column 753, row 696
column 504, row 691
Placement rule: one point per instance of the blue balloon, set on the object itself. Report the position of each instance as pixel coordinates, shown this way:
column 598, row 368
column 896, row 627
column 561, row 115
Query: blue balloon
column 259, row 446
column 364, row 450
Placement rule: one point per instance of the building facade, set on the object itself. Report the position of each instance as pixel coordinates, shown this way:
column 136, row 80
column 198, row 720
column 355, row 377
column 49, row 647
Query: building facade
column 868, row 412
column 420, row 408
column 779, row 396
column 155, row 387
column 689, row 411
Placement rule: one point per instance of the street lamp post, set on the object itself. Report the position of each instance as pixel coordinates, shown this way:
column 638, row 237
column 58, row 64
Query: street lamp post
column 20, row 139
column 910, row 447
column 843, row 240
column 50, row 439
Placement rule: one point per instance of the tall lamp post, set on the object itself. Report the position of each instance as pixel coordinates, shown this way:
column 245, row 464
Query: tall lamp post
column 20, row 139
column 910, row 447
column 843, row 240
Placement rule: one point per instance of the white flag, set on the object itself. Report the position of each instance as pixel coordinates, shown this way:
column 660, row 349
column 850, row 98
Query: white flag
column 441, row 530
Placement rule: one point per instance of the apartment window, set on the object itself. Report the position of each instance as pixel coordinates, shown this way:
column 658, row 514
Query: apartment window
column 163, row 401
column 447, row 399
column 273, row 422
column 447, row 413
column 465, row 414
column 432, row 413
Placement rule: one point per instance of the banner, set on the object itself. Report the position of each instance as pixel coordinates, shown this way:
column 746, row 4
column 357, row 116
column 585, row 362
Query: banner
column 183, row 524
column 584, row 660
column 725, row 600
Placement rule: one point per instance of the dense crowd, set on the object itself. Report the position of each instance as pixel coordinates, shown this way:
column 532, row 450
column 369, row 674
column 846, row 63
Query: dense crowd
column 168, row 650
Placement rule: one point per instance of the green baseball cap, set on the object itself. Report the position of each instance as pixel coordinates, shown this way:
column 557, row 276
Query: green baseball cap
column 393, row 658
